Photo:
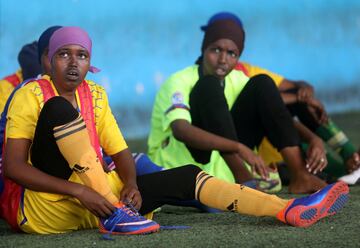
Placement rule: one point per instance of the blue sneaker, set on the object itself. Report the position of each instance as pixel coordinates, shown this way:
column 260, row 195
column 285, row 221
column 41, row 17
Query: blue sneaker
column 305, row 211
column 126, row 220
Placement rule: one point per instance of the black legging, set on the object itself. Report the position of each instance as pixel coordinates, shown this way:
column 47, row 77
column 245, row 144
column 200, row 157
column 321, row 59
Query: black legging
column 157, row 189
column 257, row 112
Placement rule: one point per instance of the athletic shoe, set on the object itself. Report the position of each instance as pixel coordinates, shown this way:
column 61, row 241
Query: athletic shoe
column 305, row 211
column 352, row 178
column 126, row 220
column 270, row 185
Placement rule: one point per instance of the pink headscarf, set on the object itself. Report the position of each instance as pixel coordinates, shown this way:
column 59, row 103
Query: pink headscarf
column 70, row 36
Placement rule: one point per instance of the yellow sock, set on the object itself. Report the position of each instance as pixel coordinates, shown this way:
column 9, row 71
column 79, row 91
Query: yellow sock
column 222, row 195
column 74, row 144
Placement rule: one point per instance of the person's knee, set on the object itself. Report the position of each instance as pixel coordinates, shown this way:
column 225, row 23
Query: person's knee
column 263, row 81
column 201, row 157
column 205, row 87
column 56, row 104
column 58, row 111
column 191, row 169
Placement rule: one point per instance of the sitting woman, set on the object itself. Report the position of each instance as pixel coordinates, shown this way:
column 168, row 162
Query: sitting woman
column 214, row 116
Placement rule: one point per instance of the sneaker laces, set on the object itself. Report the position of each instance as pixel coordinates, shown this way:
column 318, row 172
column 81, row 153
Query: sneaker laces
column 127, row 210
column 132, row 211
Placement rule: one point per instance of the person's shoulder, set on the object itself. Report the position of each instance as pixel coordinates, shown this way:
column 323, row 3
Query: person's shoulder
column 30, row 92
column 97, row 91
column 94, row 86
column 251, row 66
column 34, row 86
column 255, row 68
column 13, row 79
column 5, row 82
column 186, row 75
column 30, row 86
column 236, row 75
column 187, row 71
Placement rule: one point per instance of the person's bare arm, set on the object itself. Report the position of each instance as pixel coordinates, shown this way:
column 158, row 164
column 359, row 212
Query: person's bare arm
column 125, row 167
column 316, row 154
column 317, row 109
column 200, row 139
column 304, row 94
column 288, row 98
column 304, row 90
column 20, row 171
column 287, row 84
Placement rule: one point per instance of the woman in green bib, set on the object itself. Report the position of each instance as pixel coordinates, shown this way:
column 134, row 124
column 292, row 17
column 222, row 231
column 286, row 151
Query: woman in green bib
column 214, row 116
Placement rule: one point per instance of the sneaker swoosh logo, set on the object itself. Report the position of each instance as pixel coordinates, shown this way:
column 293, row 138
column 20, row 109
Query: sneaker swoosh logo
column 134, row 223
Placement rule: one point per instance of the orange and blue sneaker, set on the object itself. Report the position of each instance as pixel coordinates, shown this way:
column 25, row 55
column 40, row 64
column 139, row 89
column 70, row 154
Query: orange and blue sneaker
column 305, row 211
column 127, row 221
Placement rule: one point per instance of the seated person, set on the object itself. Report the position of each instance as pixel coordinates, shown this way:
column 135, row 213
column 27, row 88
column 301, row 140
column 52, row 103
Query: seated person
column 314, row 124
column 213, row 116
column 37, row 54
column 30, row 68
column 55, row 181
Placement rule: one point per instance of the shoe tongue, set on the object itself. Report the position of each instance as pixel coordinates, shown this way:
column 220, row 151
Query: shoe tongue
column 119, row 205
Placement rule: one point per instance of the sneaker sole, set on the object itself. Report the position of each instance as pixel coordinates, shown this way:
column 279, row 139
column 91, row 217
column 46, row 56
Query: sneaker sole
column 148, row 230
column 335, row 199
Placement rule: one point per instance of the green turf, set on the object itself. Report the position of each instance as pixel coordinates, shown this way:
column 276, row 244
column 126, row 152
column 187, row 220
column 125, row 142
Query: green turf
column 220, row 230
column 214, row 230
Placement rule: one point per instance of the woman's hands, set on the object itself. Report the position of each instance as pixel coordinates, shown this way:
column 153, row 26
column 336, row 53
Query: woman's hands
column 316, row 156
column 93, row 201
column 99, row 206
column 130, row 194
column 125, row 168
column 256, row 162
column 305, row 91
column 317, row 110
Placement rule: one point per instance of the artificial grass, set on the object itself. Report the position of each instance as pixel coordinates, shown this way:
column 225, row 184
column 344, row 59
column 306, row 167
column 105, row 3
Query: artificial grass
column 214, row 230
column 220, row 230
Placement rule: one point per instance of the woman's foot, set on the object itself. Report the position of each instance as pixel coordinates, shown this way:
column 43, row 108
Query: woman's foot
column 306, row 184
column 353, row 163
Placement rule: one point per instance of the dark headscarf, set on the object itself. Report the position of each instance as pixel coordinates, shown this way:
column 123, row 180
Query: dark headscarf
column 223, row 29
column 222, row 16
column 44, row 39
column 28, row 61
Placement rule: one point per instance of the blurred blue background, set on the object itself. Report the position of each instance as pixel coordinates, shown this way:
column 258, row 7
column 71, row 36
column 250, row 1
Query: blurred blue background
column 138, row 44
